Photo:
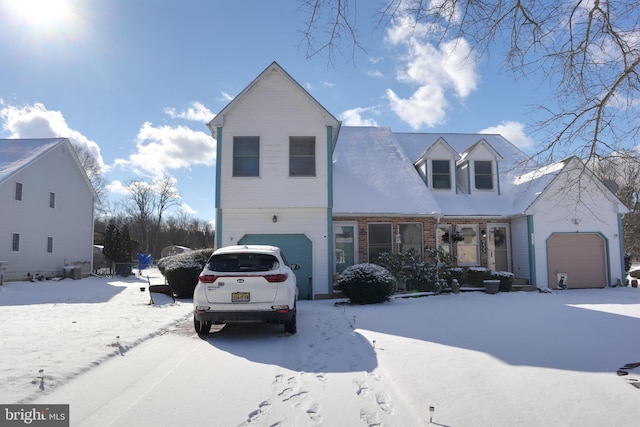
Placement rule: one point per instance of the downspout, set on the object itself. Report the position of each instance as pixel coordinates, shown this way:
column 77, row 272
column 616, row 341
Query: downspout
column 218, row 219
column 532, row 250
column 623, row 271
column 330, row 243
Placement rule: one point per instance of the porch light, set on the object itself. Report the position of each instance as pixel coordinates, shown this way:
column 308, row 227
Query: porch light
column 274, row 219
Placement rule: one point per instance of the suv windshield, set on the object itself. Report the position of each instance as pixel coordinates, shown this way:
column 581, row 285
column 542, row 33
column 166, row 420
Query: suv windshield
column 242, row 262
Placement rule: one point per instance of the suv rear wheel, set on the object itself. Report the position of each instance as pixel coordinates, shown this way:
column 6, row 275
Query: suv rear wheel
column 202, row 328
column 290, row 326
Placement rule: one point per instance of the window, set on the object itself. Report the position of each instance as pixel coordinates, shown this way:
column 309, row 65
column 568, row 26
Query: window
column 468, row 253
column 18, row 191
column 379, row 239
column 483, row 175
column 409, row 238
column 441, row 175
column 246, row 156
column 52, row 200
column 302, row 156
column 15, row 244
column 49, row 245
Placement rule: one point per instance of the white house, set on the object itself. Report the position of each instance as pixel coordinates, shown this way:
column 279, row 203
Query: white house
column 332, row 196
column 46, row 210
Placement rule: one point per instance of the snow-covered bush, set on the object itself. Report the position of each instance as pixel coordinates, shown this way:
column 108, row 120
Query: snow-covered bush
column 506, row 279
column 366, row 283
column 182, row 270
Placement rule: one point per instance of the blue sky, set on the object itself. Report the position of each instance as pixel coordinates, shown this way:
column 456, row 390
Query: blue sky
column 136, row 81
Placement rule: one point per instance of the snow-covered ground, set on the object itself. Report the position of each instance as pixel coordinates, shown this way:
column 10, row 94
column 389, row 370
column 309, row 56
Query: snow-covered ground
column 518, row 359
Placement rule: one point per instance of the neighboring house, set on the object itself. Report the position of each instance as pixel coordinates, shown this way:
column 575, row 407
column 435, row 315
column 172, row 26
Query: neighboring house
column 333, row 196
column 47, row 208
column 173, row 250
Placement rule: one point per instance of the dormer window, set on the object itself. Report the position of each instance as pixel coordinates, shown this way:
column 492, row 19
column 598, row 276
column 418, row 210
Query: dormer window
column 441, row 174
column 483, row 174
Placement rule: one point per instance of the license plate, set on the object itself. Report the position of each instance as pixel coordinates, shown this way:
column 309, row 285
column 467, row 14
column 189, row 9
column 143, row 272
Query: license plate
column 240, row 297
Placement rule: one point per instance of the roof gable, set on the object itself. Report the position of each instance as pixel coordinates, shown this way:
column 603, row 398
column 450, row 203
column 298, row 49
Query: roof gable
column 218, row 120
column 18, row 154
column 481, row 150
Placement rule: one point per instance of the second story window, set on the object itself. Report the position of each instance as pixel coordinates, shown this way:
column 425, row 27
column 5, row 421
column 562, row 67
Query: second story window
column 18, row 191
column 52, row 200
column 302, row 156
column 246, row 156
column 441, row 174
column 483, row 174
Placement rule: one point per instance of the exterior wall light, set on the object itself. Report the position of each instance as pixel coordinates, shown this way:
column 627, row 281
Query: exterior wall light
column 274, row 219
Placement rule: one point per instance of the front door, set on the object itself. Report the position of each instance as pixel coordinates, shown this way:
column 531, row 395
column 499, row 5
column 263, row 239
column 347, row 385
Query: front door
column 498, row 248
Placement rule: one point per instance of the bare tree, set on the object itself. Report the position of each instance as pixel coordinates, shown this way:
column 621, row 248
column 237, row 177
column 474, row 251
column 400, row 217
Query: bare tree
column 167, row 196
column 140, row 207
column 623, row 168
column 587, row 51
column 94, row 171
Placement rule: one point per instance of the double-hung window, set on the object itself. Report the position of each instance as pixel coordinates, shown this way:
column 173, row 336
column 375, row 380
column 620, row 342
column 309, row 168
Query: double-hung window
column 18, row 191
column 15, row 242
column 49, row 245
column 441, row 174
column 302, row 156
column 52, row 200
column 246, row 156
column 483, row 174
column 380, row 239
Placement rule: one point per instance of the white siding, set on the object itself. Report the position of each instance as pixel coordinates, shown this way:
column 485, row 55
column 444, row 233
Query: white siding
column 587, row 209
column 274, row 110
column 70, row 222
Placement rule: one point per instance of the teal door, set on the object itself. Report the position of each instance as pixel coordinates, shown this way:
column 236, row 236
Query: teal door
column 297, row 248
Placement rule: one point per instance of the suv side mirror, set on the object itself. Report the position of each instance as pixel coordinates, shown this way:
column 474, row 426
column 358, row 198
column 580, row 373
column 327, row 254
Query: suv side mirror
column 295, row 266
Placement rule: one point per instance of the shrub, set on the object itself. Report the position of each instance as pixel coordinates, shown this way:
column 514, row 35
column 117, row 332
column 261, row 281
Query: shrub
column 399, row 264
column 366, row 283
column 506, row 280
column 477, row 275
column 182, row 270
column 453, row 273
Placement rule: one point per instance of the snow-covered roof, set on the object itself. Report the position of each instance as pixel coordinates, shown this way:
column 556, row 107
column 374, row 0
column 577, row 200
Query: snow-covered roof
column 374, row 173
column 17, row 153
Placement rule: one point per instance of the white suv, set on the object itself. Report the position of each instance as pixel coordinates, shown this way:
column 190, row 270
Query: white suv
column 250, row 283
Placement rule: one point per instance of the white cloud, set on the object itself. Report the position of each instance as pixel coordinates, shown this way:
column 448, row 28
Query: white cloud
column 187, row 209
column 226, row 97
column 375, row 73
column 354, row 117
column 438, row 72
column 116, row 187
column 159, row 149
column 35, row 121
column 197, row 112
column 513, row 131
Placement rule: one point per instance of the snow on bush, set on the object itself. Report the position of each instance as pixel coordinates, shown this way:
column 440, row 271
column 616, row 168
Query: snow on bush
column 366, row 283
column 182, row 270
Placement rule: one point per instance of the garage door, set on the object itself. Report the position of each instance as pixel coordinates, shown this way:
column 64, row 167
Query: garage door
column 581, row 256
column 297, row 248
